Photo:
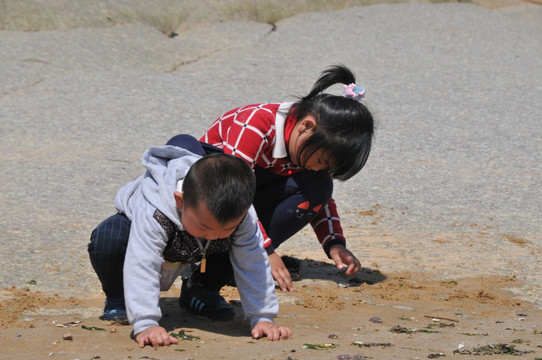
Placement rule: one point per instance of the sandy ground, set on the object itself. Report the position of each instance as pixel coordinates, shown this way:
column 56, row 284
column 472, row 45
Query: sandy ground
column 368, row 316
column 424, row 291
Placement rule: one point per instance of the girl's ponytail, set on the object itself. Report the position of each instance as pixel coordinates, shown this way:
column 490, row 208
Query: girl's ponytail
column 337, row 74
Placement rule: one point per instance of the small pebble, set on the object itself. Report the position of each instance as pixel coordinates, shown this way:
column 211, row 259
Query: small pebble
column 68, row 336
column 113, row 330
column 376, row 319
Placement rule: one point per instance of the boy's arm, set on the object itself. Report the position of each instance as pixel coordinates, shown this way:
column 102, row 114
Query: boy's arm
column 142, row 267
column 252, row 272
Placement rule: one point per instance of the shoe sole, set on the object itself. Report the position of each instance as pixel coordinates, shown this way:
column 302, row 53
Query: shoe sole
column 114, row 318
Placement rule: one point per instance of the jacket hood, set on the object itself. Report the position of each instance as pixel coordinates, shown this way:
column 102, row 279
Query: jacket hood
column 165, row 165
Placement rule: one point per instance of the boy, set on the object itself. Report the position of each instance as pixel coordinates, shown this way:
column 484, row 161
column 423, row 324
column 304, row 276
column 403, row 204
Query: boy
column 184, row 208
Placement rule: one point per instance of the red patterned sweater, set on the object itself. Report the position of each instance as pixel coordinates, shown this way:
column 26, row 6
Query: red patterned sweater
column 259, row 134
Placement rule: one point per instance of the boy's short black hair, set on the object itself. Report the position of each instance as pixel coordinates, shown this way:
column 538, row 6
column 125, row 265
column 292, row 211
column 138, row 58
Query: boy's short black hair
column 224, row 183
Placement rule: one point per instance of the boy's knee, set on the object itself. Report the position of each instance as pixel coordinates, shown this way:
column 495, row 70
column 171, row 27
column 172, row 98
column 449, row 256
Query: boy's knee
column 110, row 238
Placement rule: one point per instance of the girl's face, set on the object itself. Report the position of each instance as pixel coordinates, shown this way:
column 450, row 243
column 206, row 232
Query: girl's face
column 316, row 162
column 302, row 131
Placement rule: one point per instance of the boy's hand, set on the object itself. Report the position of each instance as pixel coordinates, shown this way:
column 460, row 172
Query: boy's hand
column 271, row 330
column 280, row 272
column 342, row 257
column 156, row 336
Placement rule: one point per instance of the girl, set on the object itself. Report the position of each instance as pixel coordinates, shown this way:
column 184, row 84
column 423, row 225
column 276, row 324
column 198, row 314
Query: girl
column 296, row 149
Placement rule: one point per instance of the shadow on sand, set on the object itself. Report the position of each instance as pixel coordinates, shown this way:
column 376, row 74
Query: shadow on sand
column 174, row 318
column 320, row 270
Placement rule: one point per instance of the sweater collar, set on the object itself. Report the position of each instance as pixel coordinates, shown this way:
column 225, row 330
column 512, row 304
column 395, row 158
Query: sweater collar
column 279, row 150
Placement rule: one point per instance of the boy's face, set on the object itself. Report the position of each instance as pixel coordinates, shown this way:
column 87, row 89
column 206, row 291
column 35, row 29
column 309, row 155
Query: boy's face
column 199, row 222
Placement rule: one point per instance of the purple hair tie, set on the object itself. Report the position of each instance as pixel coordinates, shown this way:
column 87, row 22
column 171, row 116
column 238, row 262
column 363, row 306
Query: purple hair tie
column 354, row 91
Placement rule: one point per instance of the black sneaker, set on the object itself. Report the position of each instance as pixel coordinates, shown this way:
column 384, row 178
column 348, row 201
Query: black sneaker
column 205, row 302
column 114, row 310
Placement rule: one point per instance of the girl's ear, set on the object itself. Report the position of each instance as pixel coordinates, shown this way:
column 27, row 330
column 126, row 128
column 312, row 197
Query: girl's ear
column 178, row 199
column 308, row 123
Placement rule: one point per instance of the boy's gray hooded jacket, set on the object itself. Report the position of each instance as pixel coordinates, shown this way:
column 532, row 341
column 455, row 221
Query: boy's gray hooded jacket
column 139, row 200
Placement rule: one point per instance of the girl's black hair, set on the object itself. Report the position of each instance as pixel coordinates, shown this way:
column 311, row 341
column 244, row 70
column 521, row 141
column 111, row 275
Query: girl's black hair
column 224, row 183
column 344, row 127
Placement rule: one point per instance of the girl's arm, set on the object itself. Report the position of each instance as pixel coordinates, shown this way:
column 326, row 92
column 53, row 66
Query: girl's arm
column 327, row 226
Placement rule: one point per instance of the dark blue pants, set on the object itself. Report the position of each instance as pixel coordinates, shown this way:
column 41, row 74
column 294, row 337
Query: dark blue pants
column 107, row 249
column 286, row 204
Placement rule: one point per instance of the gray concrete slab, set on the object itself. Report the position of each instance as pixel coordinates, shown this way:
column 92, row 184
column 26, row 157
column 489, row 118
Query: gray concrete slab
column 453, row 182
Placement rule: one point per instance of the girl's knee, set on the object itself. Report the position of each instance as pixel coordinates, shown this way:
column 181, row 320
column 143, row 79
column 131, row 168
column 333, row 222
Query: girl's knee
column 318, row 188
column 187, row 142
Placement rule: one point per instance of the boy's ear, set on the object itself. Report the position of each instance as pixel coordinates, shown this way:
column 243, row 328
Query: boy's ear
column 178, row 199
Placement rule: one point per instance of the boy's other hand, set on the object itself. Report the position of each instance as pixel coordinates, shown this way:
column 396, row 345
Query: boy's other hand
column 280, row 272
column 341, row 256
column 155, row 336
column 271, row 330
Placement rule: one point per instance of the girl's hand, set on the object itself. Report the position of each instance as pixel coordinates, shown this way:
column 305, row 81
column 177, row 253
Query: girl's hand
column 280, row 272
column 272, row 331
column 342, row 257
column 156, row 336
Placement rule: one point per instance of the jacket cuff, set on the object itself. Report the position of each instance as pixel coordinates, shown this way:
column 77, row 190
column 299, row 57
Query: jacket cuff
column 143, row 325
column 330, row 243
column 270, row 249
column 258, row 319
